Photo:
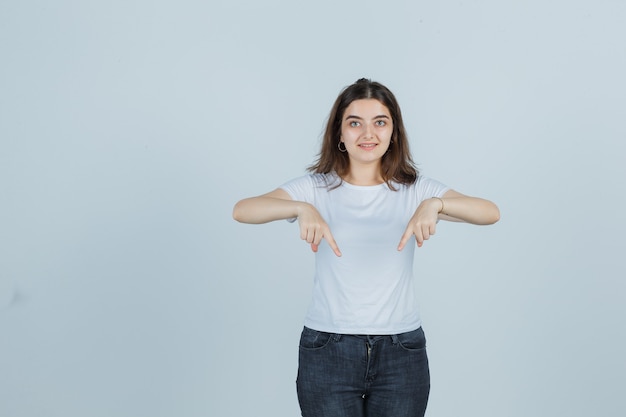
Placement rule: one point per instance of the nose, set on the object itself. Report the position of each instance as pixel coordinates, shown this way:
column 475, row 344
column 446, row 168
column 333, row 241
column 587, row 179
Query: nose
column 369, row 131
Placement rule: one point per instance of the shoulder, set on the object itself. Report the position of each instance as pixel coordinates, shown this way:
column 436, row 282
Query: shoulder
column 312, row 180
column 423, row 186
column 305, row 187
column 430, row 187
column 425, row 180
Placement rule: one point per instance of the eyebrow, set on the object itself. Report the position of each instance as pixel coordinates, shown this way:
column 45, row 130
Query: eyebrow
column 380, row 116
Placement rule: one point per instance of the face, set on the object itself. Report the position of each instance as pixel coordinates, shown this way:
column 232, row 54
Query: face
column 366, row 129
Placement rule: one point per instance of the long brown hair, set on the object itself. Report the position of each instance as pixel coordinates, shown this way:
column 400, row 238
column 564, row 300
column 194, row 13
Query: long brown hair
column 396, row 165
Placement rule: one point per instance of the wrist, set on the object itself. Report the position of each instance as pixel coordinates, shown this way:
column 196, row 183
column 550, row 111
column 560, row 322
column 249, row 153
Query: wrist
column 439, row 204
column 301, row 207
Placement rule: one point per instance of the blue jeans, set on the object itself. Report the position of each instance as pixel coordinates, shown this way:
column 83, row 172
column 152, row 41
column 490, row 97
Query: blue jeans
column 363, row 376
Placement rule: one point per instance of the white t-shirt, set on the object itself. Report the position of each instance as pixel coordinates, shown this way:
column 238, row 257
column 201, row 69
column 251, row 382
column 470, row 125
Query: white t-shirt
column 369, row 289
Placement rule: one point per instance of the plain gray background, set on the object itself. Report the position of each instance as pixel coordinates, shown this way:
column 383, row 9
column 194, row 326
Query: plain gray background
column 128, row 130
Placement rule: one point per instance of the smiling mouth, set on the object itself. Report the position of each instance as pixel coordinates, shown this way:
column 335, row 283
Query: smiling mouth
column 368, row 145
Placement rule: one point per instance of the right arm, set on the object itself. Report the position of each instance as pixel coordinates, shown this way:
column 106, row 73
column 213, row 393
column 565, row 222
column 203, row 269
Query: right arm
column 278, row 205
column 275, row 205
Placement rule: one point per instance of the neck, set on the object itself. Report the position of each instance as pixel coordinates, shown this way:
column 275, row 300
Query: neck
column 364, row 175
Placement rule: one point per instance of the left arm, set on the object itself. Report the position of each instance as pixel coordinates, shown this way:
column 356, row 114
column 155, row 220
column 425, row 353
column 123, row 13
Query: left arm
column 453, row 206
column 459, row 207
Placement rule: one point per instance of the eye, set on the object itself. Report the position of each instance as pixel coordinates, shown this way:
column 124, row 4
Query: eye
column 381, row 123
column 354, row 124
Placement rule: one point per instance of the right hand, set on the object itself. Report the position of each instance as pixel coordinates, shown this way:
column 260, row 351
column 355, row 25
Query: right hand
column 313, row 228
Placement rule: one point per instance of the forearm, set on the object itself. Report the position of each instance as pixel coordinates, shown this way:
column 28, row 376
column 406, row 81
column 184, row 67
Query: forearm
column 257, row 210
column 472, row 210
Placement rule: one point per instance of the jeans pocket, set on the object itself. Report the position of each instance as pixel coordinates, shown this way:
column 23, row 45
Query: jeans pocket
column 415, row 340
column 313, row 339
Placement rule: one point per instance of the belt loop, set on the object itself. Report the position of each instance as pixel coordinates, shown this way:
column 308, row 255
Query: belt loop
column 394, row 339
column 337, row 337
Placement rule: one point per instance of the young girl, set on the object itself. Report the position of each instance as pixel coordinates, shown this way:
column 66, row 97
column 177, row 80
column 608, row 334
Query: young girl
column 362, row 350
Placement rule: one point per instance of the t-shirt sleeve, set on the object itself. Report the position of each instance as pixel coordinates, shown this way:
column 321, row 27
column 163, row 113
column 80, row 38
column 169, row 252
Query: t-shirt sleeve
column 301, row 189
column 428, row 188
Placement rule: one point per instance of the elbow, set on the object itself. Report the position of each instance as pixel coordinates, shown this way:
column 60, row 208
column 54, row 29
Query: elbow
column 237, row 212
column 494, row 216
column 489, row 214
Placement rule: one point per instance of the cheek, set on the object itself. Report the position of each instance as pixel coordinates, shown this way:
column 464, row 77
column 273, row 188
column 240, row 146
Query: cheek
column 349, row 134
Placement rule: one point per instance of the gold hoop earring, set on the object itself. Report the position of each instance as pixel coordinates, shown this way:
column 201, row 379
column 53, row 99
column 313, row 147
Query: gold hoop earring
column 339, row 147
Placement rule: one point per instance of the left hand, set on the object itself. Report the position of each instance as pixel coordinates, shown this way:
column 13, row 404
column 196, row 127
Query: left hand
column 423, row 223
